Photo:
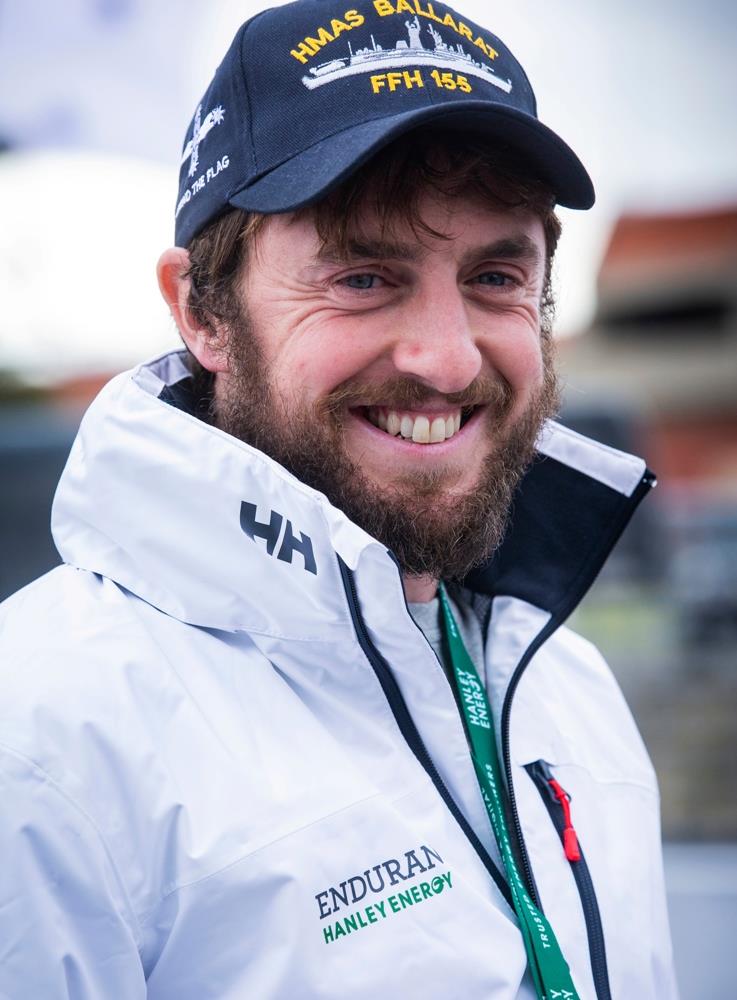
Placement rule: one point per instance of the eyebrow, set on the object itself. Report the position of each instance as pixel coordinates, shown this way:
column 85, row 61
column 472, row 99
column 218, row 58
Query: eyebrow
column 519, row 247
column 367, row 249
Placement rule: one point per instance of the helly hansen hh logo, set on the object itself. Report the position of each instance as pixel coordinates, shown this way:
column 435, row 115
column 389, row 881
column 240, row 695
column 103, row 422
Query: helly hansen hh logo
column 276, row 528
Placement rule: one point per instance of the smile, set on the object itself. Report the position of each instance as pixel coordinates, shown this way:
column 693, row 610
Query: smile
column 421, row 428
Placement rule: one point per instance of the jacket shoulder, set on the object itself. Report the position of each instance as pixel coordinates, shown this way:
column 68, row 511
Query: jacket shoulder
column 63, row 639
column 92, row 673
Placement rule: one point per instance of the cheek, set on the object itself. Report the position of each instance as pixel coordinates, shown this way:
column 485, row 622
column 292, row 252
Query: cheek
column 521, row 363
column 321, row 358
column 316, row 366
column 531, row 368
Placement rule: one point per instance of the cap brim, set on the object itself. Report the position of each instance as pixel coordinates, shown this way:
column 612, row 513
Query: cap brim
column 310, row 175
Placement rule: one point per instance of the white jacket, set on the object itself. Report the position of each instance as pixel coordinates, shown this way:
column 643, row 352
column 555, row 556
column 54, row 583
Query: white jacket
column 232, row 767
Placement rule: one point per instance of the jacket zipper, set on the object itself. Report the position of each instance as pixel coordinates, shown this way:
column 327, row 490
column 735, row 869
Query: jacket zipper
column 408, row 729
column 557, row 802
column 558, row 616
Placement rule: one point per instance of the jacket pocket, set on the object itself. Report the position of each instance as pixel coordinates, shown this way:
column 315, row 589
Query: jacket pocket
column 558, row 803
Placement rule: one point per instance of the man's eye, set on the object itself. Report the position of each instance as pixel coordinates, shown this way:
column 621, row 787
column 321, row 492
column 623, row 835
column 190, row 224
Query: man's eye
column 495, row 278
column 362, row 281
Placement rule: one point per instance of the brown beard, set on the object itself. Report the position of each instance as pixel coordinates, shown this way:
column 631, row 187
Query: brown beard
column 431, row 530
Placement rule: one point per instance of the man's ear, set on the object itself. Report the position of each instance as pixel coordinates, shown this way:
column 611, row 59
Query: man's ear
column 206, row 344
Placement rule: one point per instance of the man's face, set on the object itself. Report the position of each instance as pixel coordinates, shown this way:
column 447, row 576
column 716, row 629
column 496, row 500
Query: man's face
column 405, row 380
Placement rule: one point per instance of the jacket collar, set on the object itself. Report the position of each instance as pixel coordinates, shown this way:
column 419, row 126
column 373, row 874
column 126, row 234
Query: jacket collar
column 569, row 511
column 216, row 534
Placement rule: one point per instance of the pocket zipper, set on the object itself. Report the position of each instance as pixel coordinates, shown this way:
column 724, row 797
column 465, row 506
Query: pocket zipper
column 558, row 803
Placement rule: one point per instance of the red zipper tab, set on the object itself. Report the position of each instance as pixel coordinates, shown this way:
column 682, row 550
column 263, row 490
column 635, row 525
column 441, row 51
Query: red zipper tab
column 570, row 840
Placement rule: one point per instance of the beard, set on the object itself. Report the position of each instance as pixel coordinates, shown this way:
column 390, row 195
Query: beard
column 431, row 529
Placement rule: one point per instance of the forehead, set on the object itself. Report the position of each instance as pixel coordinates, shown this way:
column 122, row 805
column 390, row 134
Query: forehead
column 437, row 223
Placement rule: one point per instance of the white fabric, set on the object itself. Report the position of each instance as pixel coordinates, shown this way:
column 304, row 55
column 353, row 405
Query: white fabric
column 616, row 469
column 194, row 749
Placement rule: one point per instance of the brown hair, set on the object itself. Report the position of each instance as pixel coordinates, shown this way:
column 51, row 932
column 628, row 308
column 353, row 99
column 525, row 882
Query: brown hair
column 390, row 186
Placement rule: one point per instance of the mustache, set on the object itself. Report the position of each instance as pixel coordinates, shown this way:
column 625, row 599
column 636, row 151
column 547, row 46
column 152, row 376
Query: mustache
column 403, row 393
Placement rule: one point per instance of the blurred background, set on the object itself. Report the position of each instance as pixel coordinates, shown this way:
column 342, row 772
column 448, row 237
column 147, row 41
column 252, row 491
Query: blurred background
column 95, row 96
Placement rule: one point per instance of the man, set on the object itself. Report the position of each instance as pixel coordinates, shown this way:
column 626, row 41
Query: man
column 299, row 716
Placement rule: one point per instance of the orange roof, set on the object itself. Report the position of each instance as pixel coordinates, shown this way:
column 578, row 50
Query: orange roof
column 670, row 243
column 78, row 391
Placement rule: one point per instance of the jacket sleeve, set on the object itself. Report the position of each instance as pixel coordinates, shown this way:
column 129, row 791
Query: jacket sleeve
column 67, row 931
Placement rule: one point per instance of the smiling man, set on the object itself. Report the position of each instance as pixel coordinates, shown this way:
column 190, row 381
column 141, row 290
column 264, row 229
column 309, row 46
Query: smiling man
column 300, row 716
column 397, row 356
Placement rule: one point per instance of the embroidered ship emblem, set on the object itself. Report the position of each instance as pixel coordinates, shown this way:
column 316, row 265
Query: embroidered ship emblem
column 406, row 53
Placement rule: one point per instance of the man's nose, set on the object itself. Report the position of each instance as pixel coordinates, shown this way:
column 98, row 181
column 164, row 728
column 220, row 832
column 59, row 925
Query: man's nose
column 437, row 345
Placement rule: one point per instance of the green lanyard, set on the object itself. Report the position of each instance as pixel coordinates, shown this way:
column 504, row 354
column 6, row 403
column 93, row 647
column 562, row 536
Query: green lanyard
column 549, row 968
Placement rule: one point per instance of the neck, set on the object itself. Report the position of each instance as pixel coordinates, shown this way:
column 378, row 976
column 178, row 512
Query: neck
column 420, row 589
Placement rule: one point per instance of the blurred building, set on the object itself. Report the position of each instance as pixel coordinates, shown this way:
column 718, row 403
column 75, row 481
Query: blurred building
column 663, row 347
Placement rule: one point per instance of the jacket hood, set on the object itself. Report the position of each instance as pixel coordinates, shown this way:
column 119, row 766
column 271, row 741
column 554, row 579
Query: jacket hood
column 216, row 534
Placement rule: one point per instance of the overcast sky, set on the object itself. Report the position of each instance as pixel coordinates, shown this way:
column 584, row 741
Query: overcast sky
column 644, row 92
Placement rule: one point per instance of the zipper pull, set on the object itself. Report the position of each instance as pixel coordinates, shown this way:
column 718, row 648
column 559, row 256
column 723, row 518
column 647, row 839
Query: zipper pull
column 570, row 840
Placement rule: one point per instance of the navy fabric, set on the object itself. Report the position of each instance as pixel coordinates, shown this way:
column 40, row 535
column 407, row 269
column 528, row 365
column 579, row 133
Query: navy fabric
column 190, row 396
column 552, row 552
column 308, row 91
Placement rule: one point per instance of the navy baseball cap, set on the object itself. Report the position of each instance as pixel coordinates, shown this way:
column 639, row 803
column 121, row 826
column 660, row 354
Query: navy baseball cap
column 309, row 91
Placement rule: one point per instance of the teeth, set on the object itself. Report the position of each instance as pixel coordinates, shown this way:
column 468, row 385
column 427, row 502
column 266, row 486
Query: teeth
column 422, row 429
column 393, row 424
column 437, row 430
